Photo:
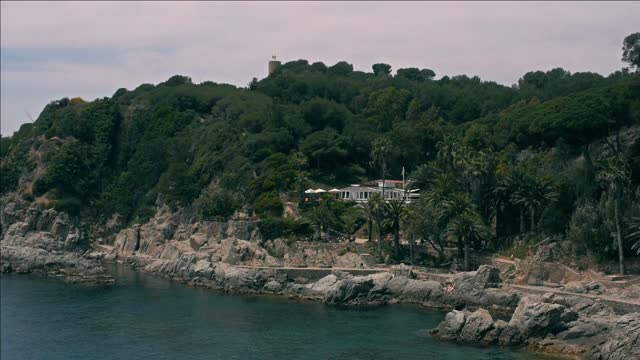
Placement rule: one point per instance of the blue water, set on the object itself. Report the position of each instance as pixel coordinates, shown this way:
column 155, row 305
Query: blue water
column 145, row 317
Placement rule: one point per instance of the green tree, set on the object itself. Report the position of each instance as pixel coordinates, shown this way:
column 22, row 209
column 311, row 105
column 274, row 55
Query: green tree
column 466, row 226
column 381, row 69
column 380, row 150
column 377, row 206
column 269, row 204
column 634, row 235
column 395, row 212
column 299, row 161
column 631, row 50
column 613, row 174
column 352, row 220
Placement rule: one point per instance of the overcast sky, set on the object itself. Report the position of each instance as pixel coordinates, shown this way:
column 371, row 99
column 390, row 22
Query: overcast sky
column 52, row 50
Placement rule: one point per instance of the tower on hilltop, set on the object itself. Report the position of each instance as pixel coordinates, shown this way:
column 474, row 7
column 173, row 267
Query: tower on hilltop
column 273, row 64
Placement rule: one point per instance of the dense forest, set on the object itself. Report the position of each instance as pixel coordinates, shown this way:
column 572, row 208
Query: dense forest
column 557, row 154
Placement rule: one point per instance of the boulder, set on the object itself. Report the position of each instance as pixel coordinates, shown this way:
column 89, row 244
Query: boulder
column 203, row 268
column 324, row 285
column 351, row 291
column 409, row 290
column 477, row 326
column 535, row 319
column 450, row 328
column 197, row 240
column 623, row 342
column 273, row 286
column 127, row 240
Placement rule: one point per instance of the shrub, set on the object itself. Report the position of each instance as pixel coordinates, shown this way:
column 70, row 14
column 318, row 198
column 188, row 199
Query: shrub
column 272, row 228
column 269, row 205
column 216, row 203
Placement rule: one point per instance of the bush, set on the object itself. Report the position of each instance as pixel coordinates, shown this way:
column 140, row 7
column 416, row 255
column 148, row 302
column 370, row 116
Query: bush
column 272, row 228
column 71, row 206
column 269, row 205
column 216, row 204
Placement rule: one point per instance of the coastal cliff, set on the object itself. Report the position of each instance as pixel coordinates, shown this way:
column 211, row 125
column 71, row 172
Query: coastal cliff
column 232, row 257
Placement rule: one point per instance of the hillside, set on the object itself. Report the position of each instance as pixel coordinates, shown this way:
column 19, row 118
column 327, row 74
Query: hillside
column 215, row 149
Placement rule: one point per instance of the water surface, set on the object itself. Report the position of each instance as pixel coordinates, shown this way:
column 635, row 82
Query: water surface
column 146, row 317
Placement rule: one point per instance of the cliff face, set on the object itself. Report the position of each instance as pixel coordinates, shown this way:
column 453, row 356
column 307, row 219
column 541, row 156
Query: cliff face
column 35, row 239
column 45, row 241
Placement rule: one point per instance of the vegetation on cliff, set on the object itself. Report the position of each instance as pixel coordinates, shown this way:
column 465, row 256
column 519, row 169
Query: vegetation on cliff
column 556, row 153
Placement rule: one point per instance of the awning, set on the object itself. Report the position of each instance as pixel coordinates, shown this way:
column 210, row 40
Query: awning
column 334, row 191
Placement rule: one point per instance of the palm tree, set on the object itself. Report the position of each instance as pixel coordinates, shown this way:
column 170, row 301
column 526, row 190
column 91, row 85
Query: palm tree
column 634, row 235
column 467, row 227
column 321, row 217
column 613, row 175
column 533, row 194
column 370, row 214
column 299, row 160
column 381, row 148
column 445, row 187
column 377, row 204
column 422, row 176
column 510, row 188
column 395, row 211
column 529, row 193
column 352, row 220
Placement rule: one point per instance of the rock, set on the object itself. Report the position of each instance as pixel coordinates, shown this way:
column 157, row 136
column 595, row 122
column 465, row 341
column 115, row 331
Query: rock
column 477, row 325
column 623, row 342
column 273, row 286
column 417, row 291
column 510, row 335
column 352, row 291
column 73, row 266
column 577, row 287
column 582, row 329
column 450, row 328
column 325, row 284
column 535, row 319
column 197, row 240
column 203, row 268
column 499, row 297
column 128, row 240
column 240, row 280
column 480, row 288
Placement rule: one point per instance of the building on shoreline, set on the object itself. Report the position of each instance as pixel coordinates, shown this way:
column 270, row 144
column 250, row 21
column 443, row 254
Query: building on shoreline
column 360, row 193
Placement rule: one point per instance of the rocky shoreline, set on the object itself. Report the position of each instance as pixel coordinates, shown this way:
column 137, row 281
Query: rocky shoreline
column 231, row 258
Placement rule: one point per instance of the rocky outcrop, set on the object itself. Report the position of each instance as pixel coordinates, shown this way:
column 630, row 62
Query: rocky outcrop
column 303, row 254
column 567, row 325
column 481, row 288
column 47, row 242
column 535, row 319
column 623, row 342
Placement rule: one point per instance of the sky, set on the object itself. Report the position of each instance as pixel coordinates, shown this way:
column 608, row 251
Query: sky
column 52, row 50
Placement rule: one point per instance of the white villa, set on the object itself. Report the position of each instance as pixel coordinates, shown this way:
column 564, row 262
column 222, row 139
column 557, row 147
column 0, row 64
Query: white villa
column 393, row 190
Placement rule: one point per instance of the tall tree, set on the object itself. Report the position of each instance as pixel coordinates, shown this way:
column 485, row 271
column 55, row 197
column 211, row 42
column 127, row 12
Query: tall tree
column 298, row 160
column 395, row 214
column 467, row 227
column 614, row 177
column 381, row 148
column 377, row 206
column 381, row 69
column 631, row 50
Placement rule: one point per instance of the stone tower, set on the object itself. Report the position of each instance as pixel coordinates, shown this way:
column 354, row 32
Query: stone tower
column 273, row 64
